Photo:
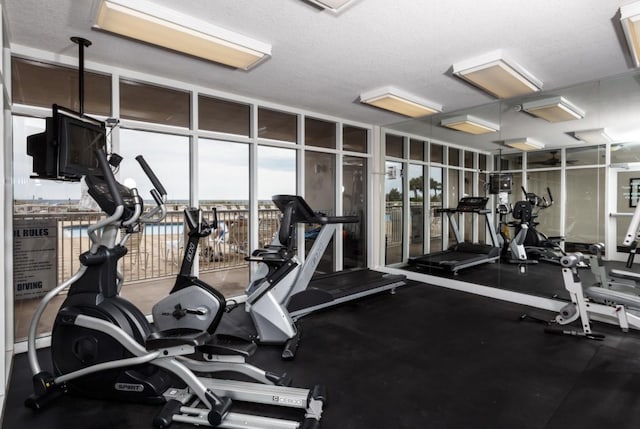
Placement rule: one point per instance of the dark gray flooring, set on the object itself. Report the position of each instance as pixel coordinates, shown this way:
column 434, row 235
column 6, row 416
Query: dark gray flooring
column 426, row 357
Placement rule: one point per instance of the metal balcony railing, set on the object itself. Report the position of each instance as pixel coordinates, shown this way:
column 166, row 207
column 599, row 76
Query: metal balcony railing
column 157, row 250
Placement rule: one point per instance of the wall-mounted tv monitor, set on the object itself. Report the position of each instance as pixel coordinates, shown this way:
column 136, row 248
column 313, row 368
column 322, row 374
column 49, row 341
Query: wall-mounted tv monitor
column 66, row 149
column 501, row 182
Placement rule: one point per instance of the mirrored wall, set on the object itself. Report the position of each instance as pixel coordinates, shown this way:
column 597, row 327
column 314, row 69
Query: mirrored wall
column 583, row 170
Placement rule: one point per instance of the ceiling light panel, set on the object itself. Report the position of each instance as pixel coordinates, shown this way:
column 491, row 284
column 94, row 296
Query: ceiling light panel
column 151, row 23
column 399, row 101
column 332, row 5
column 554, row 109
column 524, row 144
column 497, row 75
column 597, row 136
column 630, row 20
column 469, row 124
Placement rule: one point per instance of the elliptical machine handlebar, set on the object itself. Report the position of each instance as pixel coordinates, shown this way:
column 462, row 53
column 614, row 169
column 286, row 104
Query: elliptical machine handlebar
column 151, row 175
column 158, row 193
column 536, row 200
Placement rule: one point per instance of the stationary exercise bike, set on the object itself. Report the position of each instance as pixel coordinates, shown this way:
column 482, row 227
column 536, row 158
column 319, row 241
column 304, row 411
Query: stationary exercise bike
column 102, row 346
column 191, row 303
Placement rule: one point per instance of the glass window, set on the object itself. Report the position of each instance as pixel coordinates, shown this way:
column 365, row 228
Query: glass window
column 416, row 204
column 587, row 155
column 482, row 161
column 393, row 213
column 437, row 153
column 454, row 157
column 168, row 156
column 45, row 202
column 223, row 116
column 435, row 200
column 453, row 180
column 625, row 152
column 156, row 104
column 354, row 139
column 468, row 159
column 319, row 133
column 482, row 226
column 549, row 218
column 585, row 194
column 416, row 149
column 544, row 159
column 354, row 202
column 320, row 181
column 223, row 177
column 275, row 125
column 469, row 218
column 276, row 172
column 40, row 84
column 394, row 146
column 158, row 249
column 510, row 161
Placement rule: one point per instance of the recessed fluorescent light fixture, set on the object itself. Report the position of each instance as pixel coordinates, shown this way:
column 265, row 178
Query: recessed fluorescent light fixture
column 554, row 109
column 396, row 100
column 524, row 144
column 332, row 5
column 151, row 23
column 630, row 20
column 469, row 124
column 498, row 75
column 597, row 136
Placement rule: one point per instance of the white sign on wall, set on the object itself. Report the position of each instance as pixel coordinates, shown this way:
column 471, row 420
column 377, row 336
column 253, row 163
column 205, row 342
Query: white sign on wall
column 35, row 249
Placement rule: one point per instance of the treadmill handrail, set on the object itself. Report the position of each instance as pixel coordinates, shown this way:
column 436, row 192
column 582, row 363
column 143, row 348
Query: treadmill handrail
column 305, row 214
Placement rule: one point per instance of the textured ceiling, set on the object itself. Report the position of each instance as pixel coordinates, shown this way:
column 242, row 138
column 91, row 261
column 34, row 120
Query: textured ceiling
column 322, row 61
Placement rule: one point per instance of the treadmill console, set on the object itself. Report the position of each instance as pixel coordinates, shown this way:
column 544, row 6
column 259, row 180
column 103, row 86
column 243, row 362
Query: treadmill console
column 472, row 204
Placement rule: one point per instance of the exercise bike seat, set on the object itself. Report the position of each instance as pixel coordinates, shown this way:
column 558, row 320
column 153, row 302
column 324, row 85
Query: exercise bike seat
column 175, row 338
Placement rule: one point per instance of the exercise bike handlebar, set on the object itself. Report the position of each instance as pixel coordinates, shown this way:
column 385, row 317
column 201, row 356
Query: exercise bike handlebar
column 151, row 175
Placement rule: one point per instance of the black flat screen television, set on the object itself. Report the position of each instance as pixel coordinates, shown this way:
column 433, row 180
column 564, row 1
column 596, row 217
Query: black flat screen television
column 501, row 182
column 66, row 149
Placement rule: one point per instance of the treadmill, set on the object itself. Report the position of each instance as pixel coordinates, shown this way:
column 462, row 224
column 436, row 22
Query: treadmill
column 312, row 292
column 462, row 254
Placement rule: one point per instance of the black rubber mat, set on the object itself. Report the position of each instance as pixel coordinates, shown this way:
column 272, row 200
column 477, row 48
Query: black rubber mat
column 424, row 357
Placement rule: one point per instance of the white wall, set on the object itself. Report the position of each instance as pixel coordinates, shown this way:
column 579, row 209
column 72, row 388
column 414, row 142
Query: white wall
column 6, row 218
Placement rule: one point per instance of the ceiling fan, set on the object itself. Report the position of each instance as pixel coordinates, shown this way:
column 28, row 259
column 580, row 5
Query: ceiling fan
column 554, row 161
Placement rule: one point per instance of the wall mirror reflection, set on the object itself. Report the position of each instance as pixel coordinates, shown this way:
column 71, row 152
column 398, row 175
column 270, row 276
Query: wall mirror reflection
column 575, row 173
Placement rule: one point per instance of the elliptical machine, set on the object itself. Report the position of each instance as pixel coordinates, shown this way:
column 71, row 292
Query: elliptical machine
column 536, row 244
column 513, row 250
column 103, row 347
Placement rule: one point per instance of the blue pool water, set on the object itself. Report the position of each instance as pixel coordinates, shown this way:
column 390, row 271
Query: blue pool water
column 175, row 228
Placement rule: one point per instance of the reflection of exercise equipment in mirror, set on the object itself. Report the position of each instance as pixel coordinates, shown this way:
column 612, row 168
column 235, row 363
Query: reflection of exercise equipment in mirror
column 537, row 245
column 462, row 254
column 513, row 250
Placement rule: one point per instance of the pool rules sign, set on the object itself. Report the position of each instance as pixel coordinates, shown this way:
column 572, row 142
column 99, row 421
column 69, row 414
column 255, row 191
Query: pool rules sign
column 35, row 249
